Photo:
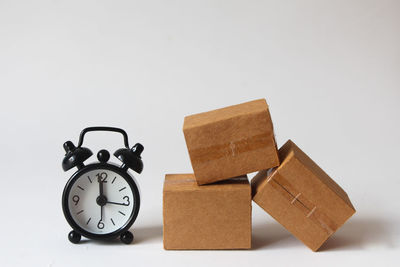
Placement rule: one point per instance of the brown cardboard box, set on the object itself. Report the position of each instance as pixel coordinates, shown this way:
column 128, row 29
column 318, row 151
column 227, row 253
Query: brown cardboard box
column 302, row 197
column 216, row 216
column 231, row 141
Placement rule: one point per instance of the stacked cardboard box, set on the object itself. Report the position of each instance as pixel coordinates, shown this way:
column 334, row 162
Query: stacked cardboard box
column 211, row 209
column 214, row 216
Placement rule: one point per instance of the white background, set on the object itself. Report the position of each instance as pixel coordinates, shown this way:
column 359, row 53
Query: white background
column 328, row 69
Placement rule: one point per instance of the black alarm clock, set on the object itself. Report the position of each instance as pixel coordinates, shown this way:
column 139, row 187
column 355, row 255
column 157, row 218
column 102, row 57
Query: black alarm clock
column 101, row 200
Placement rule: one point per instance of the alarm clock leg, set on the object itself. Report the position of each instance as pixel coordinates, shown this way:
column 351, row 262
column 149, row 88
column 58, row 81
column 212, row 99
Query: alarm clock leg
column 74, row 237
column 126, row 237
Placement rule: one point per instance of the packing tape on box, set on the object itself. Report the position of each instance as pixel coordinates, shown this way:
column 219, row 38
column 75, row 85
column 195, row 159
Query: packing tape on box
column 230, row 149
column 300, row 201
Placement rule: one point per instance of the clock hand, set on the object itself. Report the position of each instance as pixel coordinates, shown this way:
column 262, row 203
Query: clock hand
column 101, row 197
column 115, row 203
column 100, row 187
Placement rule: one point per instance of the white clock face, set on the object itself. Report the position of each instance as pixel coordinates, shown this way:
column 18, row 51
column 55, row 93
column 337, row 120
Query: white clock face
column 115, row 208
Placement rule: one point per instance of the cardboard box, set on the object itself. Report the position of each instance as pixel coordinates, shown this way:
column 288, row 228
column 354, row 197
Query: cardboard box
column 216, row 216
column 231, row 141
column 302, row 197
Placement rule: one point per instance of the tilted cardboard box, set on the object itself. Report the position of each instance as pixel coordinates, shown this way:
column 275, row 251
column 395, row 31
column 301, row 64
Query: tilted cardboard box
column 302, row 197
column 216, row 216
column 231, row 141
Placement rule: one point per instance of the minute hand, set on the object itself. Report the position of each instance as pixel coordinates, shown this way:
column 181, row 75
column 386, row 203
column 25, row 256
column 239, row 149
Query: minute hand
column 115, row 203
column 101, row 196
column 100, row 187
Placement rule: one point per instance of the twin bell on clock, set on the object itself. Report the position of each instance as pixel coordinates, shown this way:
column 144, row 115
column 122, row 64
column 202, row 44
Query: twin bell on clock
column 101, row 200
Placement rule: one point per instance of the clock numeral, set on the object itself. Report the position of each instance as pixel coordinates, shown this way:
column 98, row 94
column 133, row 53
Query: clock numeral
column 100, row 225
column 75, row 199
column 102, row 176
column 127, row 200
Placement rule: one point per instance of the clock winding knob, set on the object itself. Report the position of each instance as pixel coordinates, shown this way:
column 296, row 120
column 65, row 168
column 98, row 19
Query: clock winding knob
column 103, row 156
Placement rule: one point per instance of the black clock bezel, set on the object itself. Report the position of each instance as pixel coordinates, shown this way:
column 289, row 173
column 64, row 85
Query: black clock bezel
column 129, row 179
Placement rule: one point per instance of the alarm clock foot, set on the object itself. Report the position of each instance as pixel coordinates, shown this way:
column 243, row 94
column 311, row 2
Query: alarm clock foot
column 126, row 237
column 74, row 237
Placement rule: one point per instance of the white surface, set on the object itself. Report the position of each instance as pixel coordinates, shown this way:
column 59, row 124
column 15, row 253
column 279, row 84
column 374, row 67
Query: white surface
column 329, row 70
